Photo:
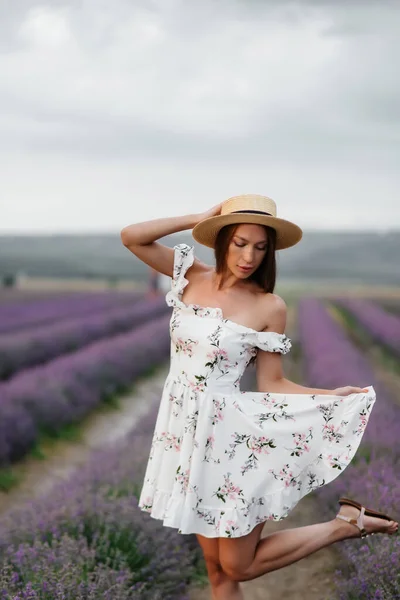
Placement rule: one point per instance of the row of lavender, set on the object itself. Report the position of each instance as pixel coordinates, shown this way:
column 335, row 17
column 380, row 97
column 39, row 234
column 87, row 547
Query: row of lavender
column 15, row 316
column 382, row 326
column 46, row 398
column 330, row 360
column 88, row 539
column 28, row 347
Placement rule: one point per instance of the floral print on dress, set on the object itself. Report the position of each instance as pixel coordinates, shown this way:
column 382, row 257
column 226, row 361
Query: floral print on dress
column 256, row 445
column 301, row 442
column 185, row 346
column 222, row 460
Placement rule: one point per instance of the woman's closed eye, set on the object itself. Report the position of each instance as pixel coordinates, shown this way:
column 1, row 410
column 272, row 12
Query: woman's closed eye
column 243, row 245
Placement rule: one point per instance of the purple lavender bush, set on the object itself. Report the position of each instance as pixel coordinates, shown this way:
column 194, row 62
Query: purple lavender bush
column 28, row 347
column 35, row 312
column 46, row 398
column 372, row 568
column 88, row 539
column 382, row 326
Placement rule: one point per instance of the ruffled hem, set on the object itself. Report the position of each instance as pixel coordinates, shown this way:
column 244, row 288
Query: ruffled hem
column 194, row 509
column 179, row 512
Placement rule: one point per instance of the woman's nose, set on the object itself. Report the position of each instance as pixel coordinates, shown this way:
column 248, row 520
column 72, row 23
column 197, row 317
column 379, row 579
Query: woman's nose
column 249, row 255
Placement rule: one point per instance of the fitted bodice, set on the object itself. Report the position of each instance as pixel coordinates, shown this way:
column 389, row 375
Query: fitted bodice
column 209, row 352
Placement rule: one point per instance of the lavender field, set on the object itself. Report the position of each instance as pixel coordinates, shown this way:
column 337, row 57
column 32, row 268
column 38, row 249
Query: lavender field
column 371, row 570
column 78, row 363
column 46, row 341
column 87, row 539
column 33, row 312
column 380, row 324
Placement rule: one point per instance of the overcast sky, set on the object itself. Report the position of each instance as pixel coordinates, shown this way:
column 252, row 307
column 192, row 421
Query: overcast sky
column 119, row 111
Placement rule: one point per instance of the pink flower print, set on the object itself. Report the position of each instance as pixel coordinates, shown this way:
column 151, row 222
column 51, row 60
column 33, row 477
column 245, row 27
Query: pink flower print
column 301, row 443
column 185, row 346
column 233, row 492
column 331, row 433
column 228, row 490
column 147, row 504
column 218, row 414
column 334, row 462
column 171, row 441
column 259, row 445
column 199, row 385
column 223, row 354
column 230, row 528
column 256, row 445
column 362, row 423
column 287, row 477
column 331, row 460
column 182, row 477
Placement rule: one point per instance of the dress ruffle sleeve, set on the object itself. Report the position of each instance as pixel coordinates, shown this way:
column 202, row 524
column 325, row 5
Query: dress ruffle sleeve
column 270, row 341
column 183, row 260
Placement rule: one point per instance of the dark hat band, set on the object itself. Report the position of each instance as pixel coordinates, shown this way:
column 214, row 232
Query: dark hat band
column 256, row 212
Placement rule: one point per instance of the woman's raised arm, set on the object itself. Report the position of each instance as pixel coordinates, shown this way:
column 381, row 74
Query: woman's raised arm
column 140, row 238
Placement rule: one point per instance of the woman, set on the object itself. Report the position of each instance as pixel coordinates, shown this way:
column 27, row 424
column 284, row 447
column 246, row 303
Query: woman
column 222, row 461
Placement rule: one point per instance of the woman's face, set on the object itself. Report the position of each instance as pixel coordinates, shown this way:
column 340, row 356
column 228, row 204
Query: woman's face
column 247, row 249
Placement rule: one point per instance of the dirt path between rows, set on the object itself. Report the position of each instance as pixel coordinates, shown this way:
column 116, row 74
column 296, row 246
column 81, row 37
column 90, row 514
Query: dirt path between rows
column 101, row 428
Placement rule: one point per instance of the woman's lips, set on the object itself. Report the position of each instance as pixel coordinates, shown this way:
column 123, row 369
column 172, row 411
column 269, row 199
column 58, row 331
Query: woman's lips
column 246, row 269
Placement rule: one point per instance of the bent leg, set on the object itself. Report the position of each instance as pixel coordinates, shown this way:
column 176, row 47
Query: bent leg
column 222, row 586
column 243, row 562
column 246, row 558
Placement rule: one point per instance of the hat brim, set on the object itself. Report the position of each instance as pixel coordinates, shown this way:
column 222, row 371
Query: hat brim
column 287, row 233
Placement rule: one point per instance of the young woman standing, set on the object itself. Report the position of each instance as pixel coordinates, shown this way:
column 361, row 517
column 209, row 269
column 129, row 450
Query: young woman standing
column 222, row 461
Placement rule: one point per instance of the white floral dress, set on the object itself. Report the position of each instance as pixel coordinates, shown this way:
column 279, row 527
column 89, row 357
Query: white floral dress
column 223, row 460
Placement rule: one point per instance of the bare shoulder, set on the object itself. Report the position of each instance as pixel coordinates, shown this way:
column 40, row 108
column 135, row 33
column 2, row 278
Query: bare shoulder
column 276, row 303
column 275, row 310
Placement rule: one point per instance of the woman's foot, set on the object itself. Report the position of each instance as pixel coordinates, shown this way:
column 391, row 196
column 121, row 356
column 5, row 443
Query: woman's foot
column 370, row 524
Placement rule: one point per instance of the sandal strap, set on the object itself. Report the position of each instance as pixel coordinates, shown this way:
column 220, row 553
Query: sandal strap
column 359, row 522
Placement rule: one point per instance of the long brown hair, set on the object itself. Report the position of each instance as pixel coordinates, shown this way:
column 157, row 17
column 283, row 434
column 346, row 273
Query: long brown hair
column 265, row 275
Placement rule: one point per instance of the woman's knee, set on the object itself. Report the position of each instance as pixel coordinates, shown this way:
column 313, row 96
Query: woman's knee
column 236, row 567
column 211, row 558
column 216, row 574
column 235, row 573
column 236, row 556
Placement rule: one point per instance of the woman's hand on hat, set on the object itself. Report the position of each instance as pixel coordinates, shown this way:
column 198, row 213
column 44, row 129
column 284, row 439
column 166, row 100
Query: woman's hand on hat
column 212, row 212
column 349, row 389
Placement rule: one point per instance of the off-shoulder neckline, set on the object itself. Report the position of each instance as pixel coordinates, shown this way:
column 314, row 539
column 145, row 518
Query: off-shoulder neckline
column 217, row 311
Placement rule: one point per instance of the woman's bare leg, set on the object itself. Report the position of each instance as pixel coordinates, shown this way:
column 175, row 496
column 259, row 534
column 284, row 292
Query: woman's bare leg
column 242, row 561
column 222, row 586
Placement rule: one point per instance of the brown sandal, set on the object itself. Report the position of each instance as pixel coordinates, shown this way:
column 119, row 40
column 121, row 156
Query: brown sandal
column 359, row 522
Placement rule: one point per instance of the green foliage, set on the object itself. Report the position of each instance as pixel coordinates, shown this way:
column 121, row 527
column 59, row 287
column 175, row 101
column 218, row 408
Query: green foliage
column 8, row 479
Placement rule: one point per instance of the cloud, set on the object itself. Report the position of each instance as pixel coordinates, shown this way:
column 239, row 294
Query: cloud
column 297, row 85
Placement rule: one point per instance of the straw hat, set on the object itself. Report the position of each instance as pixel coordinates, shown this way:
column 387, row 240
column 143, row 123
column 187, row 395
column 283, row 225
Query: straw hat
column 248, row 208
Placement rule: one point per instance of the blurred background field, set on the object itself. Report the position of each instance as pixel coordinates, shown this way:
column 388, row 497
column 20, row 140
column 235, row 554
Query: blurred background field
column 82, row 261
column 74, row 424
